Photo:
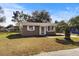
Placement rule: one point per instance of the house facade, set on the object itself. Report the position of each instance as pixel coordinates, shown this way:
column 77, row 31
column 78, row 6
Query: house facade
column 36, row 29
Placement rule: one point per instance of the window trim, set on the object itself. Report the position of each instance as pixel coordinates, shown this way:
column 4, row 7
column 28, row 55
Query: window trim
column 30, row 29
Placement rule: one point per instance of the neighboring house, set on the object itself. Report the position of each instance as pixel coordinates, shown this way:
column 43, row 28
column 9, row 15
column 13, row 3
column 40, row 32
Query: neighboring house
column 2, row 29
column 74, row 30
column 12, row 29
column 36, row 29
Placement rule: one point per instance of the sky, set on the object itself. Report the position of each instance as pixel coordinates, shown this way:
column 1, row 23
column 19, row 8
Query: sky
column 57, row 11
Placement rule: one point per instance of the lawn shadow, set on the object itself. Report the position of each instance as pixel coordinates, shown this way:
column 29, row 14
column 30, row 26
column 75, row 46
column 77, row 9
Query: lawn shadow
column 14, row 36
column 17, row 36
column 62, row 41
column 65, row 42
column 54, row 35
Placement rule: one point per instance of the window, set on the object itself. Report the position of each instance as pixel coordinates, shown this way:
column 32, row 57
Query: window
column 50, row 28
column 30, row 28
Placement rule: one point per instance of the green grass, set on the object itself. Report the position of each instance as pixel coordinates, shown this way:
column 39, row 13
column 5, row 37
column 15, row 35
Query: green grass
column 5, row 34
column 31, row 45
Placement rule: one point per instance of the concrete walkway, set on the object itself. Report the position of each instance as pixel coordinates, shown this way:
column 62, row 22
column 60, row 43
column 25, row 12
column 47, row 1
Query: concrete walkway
column 70, row 52
column 62, row 36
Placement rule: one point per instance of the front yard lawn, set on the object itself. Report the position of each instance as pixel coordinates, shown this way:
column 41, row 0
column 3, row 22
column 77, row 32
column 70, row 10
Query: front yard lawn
column 31, row 45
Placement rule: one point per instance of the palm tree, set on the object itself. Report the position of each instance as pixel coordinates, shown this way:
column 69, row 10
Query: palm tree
column 68, row 34
column 63, row 26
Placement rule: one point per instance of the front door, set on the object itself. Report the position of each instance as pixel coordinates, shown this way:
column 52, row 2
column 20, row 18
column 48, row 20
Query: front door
column 42, row 30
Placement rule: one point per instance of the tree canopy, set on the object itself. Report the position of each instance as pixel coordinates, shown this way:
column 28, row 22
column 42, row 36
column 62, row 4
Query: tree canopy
column 37, row 16
column 41, row 16
column 16, row 16
column 20, row 16
column 61, row 26
column 74, row 22
column 2, row 18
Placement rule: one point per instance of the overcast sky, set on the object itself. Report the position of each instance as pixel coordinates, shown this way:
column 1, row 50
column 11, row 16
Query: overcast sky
column 58, row 11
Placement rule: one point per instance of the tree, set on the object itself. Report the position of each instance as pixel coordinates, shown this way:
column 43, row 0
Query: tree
column 61, row 26
column 41, row 16
column 37, row 16
column 74, row 22
column 67, row 34
column 1, row 10
column 20, row 16
column 9, row 26
column 2, row 18
column 56, row 22
column 16, row 16
column 27, row 17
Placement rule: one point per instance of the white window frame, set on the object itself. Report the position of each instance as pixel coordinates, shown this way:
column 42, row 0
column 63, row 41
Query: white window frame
column 50, row 28
column 30, row 29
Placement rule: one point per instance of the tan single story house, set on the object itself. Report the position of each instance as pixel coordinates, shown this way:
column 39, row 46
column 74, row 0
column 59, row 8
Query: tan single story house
column 37, row 29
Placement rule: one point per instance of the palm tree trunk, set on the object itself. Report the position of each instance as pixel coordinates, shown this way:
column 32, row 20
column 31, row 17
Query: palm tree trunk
column 67, row 35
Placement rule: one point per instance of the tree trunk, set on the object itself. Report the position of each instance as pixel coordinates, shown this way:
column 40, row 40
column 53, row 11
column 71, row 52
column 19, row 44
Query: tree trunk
column 67, row 35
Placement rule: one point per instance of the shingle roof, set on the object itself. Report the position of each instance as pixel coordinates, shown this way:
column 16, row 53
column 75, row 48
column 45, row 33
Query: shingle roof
column 36, row 24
